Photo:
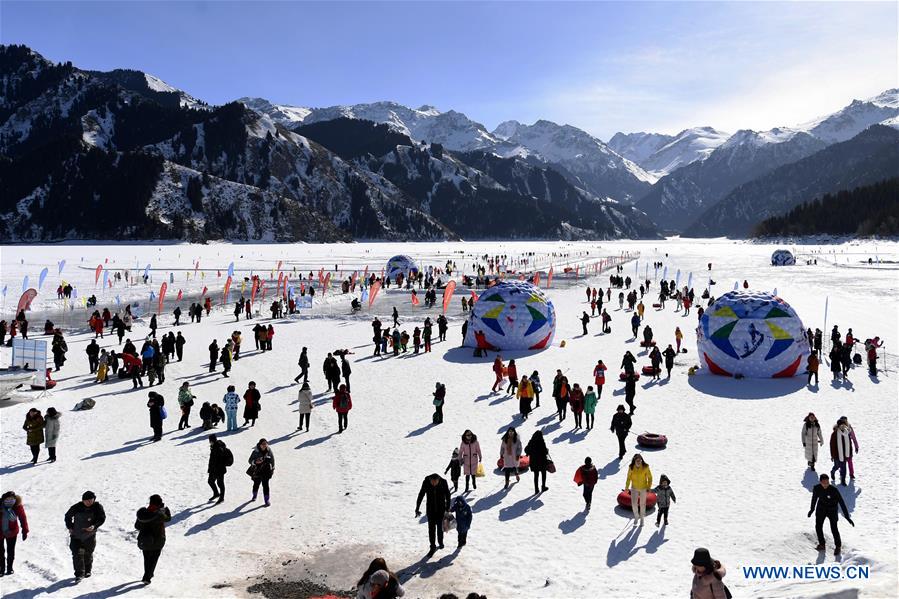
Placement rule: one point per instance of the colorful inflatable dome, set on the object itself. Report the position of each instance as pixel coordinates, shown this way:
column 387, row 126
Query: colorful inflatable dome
column 511, row 315
column 782, row 258
column 400, row 265
column 752, row 334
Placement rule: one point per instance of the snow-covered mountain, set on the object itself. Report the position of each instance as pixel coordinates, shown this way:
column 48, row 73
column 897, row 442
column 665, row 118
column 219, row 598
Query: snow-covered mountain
column 661, row 154
column 848, row 122
column 680, row 198
column 585, row 160
column 588, row 162
column 453, row 130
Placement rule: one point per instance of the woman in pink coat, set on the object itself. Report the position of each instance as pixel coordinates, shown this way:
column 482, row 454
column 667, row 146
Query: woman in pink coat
column 470, row 456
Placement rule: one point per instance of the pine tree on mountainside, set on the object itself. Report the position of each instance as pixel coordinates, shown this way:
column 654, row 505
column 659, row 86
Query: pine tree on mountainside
column 863, row 211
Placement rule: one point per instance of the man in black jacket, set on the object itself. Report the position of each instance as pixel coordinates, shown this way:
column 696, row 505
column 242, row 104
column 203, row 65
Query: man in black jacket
column 219, row 458
column 621, row 426
column 151, row 536
column 828, row 498
column 83, row 519
column 213, row 355
column 436, row 490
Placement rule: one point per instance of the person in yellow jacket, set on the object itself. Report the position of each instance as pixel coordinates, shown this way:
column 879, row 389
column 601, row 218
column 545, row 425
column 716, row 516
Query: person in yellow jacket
column 640, row 310
column 525, row 396
column 639, row 481
column 678, row 337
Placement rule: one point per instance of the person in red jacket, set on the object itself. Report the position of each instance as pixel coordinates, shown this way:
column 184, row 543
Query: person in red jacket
column 576, row 399
column 599, row 377
column 12, row 512
column 498, row 371
column 342, row 404
column 512, row 373
column 587, row 476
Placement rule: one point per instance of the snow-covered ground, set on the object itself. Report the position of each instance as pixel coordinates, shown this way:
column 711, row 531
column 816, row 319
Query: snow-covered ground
column 734, row 457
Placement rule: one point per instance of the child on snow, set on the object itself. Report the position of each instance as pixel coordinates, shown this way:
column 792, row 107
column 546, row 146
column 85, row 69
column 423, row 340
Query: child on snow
column 664, row 497
column 455, row 469
column 587, row 476
column 463, row 518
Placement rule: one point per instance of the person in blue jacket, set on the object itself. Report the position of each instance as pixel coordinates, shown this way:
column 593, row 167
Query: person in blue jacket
column 462, row 511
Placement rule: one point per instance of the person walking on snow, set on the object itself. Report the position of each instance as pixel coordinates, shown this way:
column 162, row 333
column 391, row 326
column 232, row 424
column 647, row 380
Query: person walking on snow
column 150, row 524
column 439, row 399
column 498, row 371
column 12, row 513
column 538, row 453
column 576, row 397
column 669, row 354
column 156, row 405
column 512, row 373
column 664, row 498
column 470, row 456
column 462, row 512
column 585, row 318
column 220, row 458
column 811, row 368
column 587, row 476
column 845, row 421
column 590, row 401
column 231, row 400
column 251, row 404
column 436, row 492
column 510, row 454
column 825, row 501
column 840, row 450
column 304, row 401
column 707, row 575
column 621, row 426
column 261, row 470
column 34, row 432
column 455, row 469
column 82, row 521
column 678, row 338
column 342, row 404
column 185, row 401
column 811, row 439
column 303, row 363
column 639, row 481
column 599, row 377
column 525, row 396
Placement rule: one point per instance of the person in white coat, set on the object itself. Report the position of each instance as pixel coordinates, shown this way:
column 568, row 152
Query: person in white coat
column 510, row 454
column 840, row 450
column 51, row 431
column 811, row 439
column 304, row 399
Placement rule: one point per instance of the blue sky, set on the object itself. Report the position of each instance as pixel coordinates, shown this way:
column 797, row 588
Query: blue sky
column 604, row 67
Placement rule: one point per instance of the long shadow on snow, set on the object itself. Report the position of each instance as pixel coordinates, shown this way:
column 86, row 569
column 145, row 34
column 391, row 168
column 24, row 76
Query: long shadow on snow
column 318, row 441
column 191, row 511
column 119, row 589
column 420, row 431
column 571, row 436
column 520, row 508
column 849, row 494
column 423, row 569
column 609, row 469
column 465, row 355
column 16, row 468
column 573, row 523
column 809, row 479
column 729, row 388
column 222, row 517
column 488, row 501
column 59, row 585
column 129, row 446
column 220, row 433
column 624, row 549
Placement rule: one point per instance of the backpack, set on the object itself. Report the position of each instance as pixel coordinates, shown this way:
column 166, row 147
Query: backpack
column 344, row 401
column 227, row 456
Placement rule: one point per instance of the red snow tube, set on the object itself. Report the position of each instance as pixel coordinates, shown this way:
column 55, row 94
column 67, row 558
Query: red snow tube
column 649, row 370
column 652, row 440
column 523, row 463
column 624, row 499
column 657, row 305
column 650, row 344
column 623, row 376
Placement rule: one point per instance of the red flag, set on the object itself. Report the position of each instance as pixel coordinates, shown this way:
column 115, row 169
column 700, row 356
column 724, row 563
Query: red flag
column 536, row 279
column 26, row 299
column 205, row 289
column 253, row 290
column 263, row 291
column 97, row 273
column 549, row 278
column 162, row 290
column 474, row 296
column 280, row 262
column 576, row 270
column 280, row 278
column 448, row 294
column 220, row 274
column 373, row 293
column 415, row 301
column 353, row 281
column 326, row 283
column 285, row 285
column 196, row 267
column 227, row 290
column 180, row 295
column 365, row 274
column 110, row 283
column 107, row 261
column 321, row 275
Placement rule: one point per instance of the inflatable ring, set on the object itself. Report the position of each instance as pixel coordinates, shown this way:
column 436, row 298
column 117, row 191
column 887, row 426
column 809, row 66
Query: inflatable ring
column 623, row 376
column 652, row 440
column 650, row 344
column 624, row 500
column 524, row 463
column 650, row 371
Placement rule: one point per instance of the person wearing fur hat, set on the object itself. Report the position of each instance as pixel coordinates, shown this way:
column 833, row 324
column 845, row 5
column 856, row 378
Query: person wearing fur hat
column 34, row 432
column 664, row 498
column 811, row 439
column 150, row 525
column 51, row 431
column 707, row 575
column 12, row 513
